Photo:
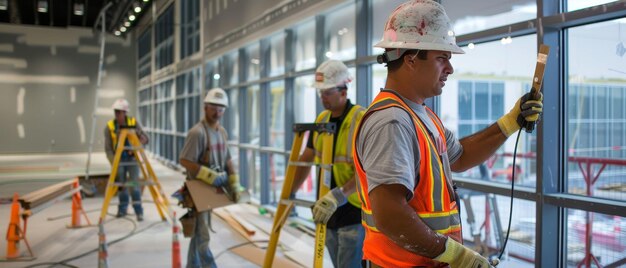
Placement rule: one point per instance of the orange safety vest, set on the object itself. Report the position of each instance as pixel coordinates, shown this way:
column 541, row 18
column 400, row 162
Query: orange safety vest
column 433, row 196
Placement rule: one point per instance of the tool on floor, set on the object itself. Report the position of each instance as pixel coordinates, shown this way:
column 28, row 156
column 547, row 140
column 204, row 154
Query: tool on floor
column 542, row 59
column 149, row 177
column 326, row 132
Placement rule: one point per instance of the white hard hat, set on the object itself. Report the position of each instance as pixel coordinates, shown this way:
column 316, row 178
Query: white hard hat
column 419, row 24
column 331, row 73
column 216, row 96
column 121, row 105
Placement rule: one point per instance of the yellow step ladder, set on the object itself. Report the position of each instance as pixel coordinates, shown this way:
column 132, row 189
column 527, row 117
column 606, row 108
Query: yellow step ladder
column 326, row 132
column 149, row 178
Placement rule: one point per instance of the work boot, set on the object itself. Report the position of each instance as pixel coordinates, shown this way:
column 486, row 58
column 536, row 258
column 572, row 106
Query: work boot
column 120, row 214
column 139, row 217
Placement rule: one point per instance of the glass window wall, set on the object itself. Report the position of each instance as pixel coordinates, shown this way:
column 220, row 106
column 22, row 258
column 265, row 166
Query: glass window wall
column 596, row 145
column 277, row 54
column 164, row 38
column 581, row 4
column 340, row 27
column 474, row 16
column 305, row 45
column 476, row 95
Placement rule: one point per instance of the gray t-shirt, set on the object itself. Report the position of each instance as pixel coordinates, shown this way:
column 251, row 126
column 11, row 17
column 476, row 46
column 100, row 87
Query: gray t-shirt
column 195, row 148
column 389, row 151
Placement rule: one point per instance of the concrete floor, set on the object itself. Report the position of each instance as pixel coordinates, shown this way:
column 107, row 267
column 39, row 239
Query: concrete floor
column 141, row 244
column 131, row 243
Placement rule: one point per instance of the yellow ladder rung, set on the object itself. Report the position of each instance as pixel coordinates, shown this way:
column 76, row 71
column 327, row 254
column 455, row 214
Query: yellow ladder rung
column 309, row 164
column 128, row 164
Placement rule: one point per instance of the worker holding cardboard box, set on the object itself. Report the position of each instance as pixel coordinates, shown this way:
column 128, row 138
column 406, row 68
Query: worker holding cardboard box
column 206, row 158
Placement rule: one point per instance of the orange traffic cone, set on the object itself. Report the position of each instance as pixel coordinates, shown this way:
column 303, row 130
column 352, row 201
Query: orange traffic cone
column 102, row 247
column 176, row 263
column 13, row 233
column 77, row 207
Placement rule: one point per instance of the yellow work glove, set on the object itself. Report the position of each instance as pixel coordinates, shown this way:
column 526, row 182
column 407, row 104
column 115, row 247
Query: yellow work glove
column 457, row 255
column 235, row 187
column 526, row 110
column 211, row 176
column 328, row 204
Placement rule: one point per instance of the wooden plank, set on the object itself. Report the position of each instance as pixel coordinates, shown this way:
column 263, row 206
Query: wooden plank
column 249, row 228
column 41, row 196
column 257, row 236
column 305, row 257
column 7, row 169
column 296, row 245
column 257, row 256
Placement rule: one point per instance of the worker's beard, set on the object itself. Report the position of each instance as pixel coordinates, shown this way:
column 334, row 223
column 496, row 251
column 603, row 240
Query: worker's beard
column 213, row 118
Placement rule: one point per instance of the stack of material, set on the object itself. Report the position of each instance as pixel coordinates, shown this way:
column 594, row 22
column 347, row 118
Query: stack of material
column 39, row 197
column 296, row 245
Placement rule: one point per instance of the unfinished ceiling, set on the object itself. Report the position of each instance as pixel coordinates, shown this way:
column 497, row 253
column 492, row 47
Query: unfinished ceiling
column 70, row 13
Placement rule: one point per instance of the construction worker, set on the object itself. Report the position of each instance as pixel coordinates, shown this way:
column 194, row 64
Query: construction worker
column 205, row 156
column 127, row 170
column 404, row 155
column 339, row 209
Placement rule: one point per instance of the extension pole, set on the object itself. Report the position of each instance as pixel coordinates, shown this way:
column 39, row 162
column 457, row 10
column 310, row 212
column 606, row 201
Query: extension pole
column 102, row 16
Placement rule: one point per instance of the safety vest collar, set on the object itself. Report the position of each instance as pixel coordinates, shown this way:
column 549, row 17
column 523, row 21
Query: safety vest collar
column 350, row 119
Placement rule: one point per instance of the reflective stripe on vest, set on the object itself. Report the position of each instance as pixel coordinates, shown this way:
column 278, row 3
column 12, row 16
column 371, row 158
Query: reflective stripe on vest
column 130, row 121
column 433, row 198
column 343, row 165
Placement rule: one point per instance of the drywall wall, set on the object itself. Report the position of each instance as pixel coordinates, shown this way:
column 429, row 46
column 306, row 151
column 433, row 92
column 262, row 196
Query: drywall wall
column 48, row 80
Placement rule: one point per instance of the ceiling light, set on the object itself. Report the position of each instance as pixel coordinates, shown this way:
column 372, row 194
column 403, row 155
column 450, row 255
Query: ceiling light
column 137, row 9
column 217, row 76
column 146, row 0
column 4, row 4
column 42, row 6
column 131, row 18
column 127, row 23
column 123, row 29
column 79, row 9
column 117, row 33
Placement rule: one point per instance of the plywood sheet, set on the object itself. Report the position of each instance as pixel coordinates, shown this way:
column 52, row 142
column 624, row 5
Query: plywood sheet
column 257, row 256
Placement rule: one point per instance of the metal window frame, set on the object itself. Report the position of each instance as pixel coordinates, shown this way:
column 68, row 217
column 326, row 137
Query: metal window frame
column 550, row 26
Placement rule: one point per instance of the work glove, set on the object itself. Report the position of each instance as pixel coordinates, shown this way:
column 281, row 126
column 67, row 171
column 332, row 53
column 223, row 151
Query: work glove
column 328, row 204
column 457, row 255
column 211, row 176
column 235, row 187
column 525, row 111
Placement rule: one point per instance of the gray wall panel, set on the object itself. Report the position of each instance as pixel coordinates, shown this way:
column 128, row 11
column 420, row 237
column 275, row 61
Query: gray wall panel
column 48, row 80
